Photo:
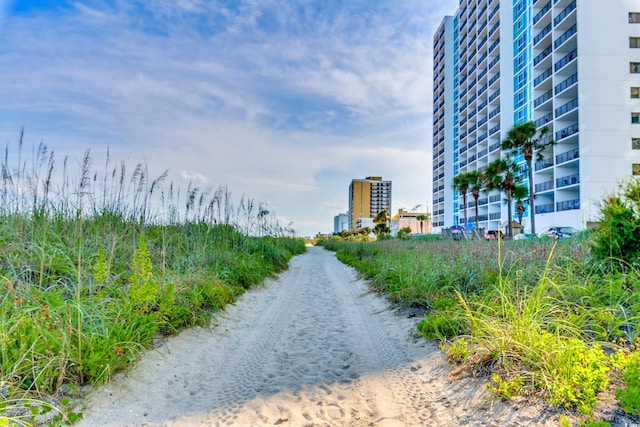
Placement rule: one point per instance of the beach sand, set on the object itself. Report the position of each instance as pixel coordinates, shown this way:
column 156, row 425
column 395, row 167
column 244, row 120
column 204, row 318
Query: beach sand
column 313, row 347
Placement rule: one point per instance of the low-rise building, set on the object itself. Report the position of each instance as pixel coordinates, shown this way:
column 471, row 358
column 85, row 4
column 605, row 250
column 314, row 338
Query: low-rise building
column 418, row 222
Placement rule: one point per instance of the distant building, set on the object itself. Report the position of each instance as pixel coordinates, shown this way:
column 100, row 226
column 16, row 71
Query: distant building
column 340, row 222
column 367, row 197
column 405, row 219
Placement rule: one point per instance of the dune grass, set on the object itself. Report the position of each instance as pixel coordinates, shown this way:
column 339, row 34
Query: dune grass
column 96, row 264
column 538, row 317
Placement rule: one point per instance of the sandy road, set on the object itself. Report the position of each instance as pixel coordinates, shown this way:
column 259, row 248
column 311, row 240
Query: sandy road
column 312, row 348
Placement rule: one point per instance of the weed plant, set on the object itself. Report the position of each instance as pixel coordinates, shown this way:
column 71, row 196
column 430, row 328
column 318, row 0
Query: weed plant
column 93, row 267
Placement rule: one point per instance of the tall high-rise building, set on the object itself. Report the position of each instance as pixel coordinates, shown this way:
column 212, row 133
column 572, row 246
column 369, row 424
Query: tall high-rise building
column 367, row 197
column 570, row 65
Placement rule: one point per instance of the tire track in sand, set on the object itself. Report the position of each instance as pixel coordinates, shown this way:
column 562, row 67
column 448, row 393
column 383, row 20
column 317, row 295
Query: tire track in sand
column 312, row 348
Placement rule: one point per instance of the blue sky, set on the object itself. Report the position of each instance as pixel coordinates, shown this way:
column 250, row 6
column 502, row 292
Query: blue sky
column 282, row 101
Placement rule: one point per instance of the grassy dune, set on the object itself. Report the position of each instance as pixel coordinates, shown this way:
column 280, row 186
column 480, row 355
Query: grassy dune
column 95, row 264
column 538, row 317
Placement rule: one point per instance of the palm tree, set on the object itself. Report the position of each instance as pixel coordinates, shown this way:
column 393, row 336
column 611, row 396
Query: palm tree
column 421, row 218
column 381, row 220
column 520, row 193
column 529, row 140
column 461, row 184
column 476, row 182
column 502, row 174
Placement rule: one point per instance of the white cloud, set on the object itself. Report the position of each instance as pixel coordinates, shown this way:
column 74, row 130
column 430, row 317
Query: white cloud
column 194, row 176
column 261, row 96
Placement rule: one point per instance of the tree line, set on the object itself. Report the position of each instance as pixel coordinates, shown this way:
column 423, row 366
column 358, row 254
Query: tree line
column 504, row 173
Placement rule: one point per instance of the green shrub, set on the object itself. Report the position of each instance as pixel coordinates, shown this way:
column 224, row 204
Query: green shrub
column 616, row 236
column 578, row 372
column 457, row 351
column 505, row 389
column 143, row 287
column 629, row 396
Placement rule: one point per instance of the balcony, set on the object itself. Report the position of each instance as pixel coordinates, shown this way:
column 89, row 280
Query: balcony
column 493, row 130
column 542, row 98
column 494, row 95
column 542, row 77
column 542, row 55
column 567, row 10
column 543, row 164
column 565, row 60
column 542, row 12
column 544, row 186
column 493, row 13
column 541, row 34
column 493, row 30
column 494, row 198
column 543, row 120
column 568, row 205
column 565, row 36
column 541, row 209
column 494, row 113
column 482, row 27
column 494, row 147
column 571, row 105
column 569, row 155
column 568, row 180
column 481, row 43
column 566, row 83
column 494, row 45
column 494, row 61
column 566, row 132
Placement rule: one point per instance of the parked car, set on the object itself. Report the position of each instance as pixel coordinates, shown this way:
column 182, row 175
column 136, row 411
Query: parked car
column 494, row 234
column 558, row 232
column 522, row 236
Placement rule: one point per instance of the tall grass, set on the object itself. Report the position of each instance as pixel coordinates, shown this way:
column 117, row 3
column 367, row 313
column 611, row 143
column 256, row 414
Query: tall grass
column 539, row 317
column 95, row 264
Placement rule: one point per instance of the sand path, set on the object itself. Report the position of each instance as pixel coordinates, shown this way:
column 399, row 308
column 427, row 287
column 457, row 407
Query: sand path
column 312, row 348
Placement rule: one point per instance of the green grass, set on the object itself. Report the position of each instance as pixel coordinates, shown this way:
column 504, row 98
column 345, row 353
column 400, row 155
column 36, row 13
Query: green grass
column 537, row 317
column 91, row 272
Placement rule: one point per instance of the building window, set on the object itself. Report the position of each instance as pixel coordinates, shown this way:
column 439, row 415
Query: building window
column 635, row 143
column 635, row 118
column 634, row 42
column 635, row 92
column 634, row 17
column 634, row 67
column 636, row 169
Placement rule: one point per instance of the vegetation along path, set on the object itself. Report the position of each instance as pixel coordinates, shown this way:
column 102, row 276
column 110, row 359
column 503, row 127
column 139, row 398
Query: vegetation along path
column 312, row 348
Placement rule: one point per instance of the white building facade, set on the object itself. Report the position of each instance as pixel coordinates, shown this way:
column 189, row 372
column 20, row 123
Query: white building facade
column 570, row 65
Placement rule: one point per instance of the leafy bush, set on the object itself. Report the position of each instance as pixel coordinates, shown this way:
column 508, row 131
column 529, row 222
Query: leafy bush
column 579, row 374
column 505, row 389
column 629, row 396
column 616, row 236
column 457, row 351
